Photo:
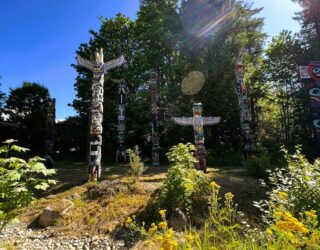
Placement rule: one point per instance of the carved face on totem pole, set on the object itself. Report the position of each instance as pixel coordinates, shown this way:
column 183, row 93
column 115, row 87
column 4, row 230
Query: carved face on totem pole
column 95, row 150
column 198, row 123
column 97, row 98
column 96, row 123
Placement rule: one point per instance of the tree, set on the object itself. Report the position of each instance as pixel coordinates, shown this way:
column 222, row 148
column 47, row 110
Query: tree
column 27, row 106
column 309, row 18
column 282, row 56
column 2, row 101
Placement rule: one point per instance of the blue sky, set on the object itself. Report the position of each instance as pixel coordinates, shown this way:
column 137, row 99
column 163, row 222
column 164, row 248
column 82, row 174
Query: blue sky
column 38, row 38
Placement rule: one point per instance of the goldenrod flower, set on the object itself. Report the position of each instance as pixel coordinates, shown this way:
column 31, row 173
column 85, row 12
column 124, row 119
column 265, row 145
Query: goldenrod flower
column 290, row 223
column 152, row 230
column 214, row 185
column 228, row 196
column 128, row 221
column 162, row 225
column 312, row 214
column 283, row 195
column 162, row 212
column 269, row 231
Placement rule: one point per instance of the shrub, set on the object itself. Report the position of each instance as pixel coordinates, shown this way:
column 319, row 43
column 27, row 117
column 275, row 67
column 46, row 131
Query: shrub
column 137, row 167
column 18, row 180
column 257, row 166
column 295, row 187
column 185, row 187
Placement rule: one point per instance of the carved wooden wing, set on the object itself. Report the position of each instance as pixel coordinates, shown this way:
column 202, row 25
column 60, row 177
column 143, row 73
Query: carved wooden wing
column 113, row 63
column 183, row 121
column 85, row 63
column 211, row 120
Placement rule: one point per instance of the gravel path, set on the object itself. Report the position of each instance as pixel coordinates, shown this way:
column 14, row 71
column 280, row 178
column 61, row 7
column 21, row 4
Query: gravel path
column 22, row 238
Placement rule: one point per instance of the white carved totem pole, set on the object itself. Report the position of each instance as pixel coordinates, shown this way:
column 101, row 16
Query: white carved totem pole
column 121, row 148
column 99, row 69
column 244, row 110
column 198, row 121
column 154, row 112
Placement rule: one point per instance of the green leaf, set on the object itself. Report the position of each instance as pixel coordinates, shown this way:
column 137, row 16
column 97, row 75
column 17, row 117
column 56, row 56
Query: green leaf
column 19, row 149
column 9, row 141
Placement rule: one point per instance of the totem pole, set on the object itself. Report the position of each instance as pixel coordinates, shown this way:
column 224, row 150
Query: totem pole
column 121, row 148
column 50, row 132
column 197, row 121
column 310, row 77
column 99, row 69
column 244, row 110
column 154, row 111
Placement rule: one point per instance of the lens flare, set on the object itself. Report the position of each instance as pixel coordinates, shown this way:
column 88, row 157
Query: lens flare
column 202, row 18
column 192, row 83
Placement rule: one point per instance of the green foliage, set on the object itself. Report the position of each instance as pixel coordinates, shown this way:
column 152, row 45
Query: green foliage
column 258, row 165
column 28, row 105
column 18, row 181
column 184, row 187
column 137, row 167
column 294, row 186
column 232, row 158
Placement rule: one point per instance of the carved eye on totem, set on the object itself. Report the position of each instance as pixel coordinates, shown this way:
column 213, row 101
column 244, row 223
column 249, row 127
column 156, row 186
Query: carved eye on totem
column 314, row 92
column 316, row 123
column 316, row 71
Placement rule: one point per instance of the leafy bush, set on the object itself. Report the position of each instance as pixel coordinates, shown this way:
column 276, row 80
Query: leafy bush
column 184, row 188
column 137, row 167
column 18, row 180
column 295, row 186
column 257, row 166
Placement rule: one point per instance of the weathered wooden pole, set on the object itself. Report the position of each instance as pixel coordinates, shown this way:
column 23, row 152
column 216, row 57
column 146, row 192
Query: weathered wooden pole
column 198, row 121
column 121, row 147
column 153, row 77
column 50, row 132
column 248, row 147
column 99, row 69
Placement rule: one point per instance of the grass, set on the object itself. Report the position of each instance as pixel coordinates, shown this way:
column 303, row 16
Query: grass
column 107, row 213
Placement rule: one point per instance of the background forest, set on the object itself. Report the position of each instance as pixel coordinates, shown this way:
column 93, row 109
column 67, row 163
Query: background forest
column 166, row 36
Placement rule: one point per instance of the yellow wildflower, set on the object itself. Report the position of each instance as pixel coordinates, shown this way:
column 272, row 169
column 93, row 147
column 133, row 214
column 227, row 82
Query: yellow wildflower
column 128, row 221
column 290, row 223
column 152, row 230
column 269, row 231
column 162, row 225
column 312, row 214
column 228, row 196
column 214, row 185
column 162, row 212
column 283, row 195
column 190, row 237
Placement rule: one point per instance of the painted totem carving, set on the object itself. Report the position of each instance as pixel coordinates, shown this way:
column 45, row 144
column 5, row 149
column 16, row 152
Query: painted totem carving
column 121, row 148
column 198, row 121
column 310, row 77
column 244, row 110
column 99, row 69
column 50, row 131
column 154, row 112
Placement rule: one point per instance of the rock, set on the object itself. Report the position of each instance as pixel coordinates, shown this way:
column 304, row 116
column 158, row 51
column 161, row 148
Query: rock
column 74, row 196
column 178, row 220
column 48, row 217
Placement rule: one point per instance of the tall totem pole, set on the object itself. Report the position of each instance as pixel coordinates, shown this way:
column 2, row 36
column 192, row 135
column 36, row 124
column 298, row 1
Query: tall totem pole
column 244, row 110
column 50, row 132
column 154, row 111
column 198, row 121
column 310, row 77
column 99, row 69
column 121, row 148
